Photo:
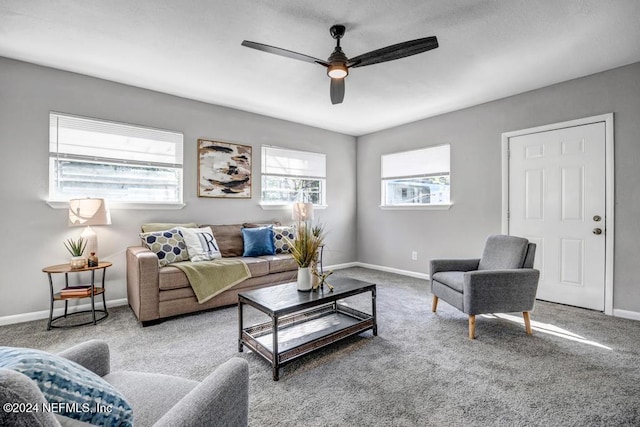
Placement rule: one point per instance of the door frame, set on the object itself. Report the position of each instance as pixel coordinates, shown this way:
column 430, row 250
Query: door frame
column 609, row 189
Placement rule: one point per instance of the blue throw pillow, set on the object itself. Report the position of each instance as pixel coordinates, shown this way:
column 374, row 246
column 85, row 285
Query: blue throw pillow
column 258, row 241
column 70, row 389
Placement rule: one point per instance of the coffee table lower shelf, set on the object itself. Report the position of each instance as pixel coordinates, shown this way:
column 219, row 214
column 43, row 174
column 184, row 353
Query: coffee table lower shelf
column 302, row 332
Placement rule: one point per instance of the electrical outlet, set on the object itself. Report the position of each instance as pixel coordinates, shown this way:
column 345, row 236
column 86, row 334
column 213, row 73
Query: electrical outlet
column 414, row 255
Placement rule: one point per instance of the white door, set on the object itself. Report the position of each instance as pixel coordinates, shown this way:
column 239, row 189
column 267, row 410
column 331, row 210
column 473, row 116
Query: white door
column 557, row 200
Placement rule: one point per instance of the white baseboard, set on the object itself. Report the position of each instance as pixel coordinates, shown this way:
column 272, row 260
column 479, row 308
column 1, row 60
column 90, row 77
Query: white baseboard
column 340, row 266
column 44, row 314
column 634, row 315
column 378, row 267
column 393, row 270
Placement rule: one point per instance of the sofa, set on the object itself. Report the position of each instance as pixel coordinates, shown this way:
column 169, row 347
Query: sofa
column 222, row 398
column 157, row 292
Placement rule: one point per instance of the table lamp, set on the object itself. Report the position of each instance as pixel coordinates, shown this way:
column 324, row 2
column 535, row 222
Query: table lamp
column 85, row 213
column 302, row 212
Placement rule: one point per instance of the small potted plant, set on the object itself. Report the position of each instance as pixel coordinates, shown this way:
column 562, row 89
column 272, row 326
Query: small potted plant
column 76, row 249
column 304, row 249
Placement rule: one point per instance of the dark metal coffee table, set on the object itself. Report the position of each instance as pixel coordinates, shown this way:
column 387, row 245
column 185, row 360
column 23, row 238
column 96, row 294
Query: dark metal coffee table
column 303, row 321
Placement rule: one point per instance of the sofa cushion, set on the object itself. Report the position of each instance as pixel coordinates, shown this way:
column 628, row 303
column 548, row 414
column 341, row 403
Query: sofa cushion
column 161, row 226
column 201, row 244
column 256, row 225
column 280, row 262
column 453, row 279
column 168, row 245
column 170, row 277
column 503, row 252
column 257, row 266
column 258, row 241
column 229, row 238
column 151, row 395
column 73, row 387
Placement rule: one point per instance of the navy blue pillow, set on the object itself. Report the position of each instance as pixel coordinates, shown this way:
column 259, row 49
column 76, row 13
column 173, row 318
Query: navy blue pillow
column 258, row 241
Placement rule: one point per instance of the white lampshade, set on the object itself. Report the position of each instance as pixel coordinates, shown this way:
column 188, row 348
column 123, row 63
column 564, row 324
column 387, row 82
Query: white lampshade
column 302, row 211
column 87, row 212
column 83, row 212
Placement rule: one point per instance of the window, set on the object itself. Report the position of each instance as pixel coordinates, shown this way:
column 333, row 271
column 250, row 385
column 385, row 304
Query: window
column 416, row 178
column 292, row 176
column 114, row 161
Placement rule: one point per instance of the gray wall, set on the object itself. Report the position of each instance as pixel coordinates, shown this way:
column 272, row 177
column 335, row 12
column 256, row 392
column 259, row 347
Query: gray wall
column 387, row 238
column 34, row 232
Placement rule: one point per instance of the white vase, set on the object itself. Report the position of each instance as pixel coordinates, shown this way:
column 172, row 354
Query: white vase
column 304, row 279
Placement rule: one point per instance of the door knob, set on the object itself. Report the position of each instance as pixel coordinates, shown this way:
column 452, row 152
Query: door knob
column 597, row 231
column 597, row 218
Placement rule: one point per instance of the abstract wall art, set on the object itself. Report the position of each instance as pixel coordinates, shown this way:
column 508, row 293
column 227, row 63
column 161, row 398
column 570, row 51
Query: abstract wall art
column 224, row 169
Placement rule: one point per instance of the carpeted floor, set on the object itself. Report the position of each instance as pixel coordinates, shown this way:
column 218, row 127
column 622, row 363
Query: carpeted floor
column 580, row 368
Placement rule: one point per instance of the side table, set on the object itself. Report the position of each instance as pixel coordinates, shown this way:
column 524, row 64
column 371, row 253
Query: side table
column 95, row 290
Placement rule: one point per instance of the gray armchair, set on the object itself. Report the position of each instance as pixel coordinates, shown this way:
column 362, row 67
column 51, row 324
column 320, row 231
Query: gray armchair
column 502, row 281
column 221, row 399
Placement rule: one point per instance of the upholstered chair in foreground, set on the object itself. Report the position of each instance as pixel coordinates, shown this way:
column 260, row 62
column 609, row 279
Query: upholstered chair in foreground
column 502, row 281
column 221, row 399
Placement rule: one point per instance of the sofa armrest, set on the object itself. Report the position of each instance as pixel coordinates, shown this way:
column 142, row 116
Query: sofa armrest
column 437, row 265
column 222, row 399
column 500, row 291
column 17, row 388
column 143, row 289
column 92, row 354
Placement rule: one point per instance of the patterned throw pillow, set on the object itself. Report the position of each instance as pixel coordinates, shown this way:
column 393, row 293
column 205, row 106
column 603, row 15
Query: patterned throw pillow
column 72, row 390
column 168, row 245
column 279, row 241
column 201, row 244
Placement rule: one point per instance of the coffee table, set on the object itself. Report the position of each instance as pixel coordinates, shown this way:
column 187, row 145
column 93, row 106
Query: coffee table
column 302, row 322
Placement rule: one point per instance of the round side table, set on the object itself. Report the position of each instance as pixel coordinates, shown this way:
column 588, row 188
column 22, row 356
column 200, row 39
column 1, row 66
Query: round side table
column 76, row 292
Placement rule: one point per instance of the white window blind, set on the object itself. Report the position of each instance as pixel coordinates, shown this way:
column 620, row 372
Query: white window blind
column 416, row 178
column 116, row 161
column 292, row 176
column 281, row 161
column 424, row 162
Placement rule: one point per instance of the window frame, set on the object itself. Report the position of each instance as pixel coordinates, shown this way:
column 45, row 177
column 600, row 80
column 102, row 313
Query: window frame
column 413, row 206
column 174, row 162
column 265, row 173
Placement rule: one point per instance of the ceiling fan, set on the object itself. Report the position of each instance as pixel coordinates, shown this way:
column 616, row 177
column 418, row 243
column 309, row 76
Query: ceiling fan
column 338, row 64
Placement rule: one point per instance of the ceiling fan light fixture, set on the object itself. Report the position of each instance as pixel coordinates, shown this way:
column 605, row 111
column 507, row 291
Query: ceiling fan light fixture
column 338, row 64
column 337, row 71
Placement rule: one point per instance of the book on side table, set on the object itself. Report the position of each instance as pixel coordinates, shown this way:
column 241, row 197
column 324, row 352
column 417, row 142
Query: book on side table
column 76, row 291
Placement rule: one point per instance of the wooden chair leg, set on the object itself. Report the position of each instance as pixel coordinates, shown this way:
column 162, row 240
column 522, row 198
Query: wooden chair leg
column 434, row 303
column 472, row 326
column 527, row 322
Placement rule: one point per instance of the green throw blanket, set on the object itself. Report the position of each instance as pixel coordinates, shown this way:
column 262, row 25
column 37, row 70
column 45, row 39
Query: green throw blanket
column 209, row 278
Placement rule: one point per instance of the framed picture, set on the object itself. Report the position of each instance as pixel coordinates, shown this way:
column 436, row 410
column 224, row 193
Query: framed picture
column 224, row 169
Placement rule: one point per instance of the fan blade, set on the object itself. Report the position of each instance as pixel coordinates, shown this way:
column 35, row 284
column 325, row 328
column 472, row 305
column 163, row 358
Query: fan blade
column 283, row 52
column 337, row 91
column 395, row 51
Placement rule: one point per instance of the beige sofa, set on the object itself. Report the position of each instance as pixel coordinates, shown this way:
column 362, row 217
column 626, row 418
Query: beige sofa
column 156, row 293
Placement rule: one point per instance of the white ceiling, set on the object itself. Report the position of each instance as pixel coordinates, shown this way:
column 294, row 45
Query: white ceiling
column 489, row 49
